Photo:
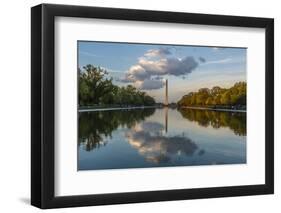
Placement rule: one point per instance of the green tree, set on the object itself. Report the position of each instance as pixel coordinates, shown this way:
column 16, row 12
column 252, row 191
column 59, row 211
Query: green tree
column 96, row 88
column 93, row 84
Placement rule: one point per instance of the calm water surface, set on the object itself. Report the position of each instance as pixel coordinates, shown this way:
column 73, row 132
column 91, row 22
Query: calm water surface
column 141, row 138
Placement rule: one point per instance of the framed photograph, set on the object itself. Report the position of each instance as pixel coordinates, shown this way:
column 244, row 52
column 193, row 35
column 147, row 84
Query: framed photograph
column 139, row 106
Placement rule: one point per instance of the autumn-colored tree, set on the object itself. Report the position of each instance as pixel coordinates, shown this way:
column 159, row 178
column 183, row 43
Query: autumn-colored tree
column 217, row 96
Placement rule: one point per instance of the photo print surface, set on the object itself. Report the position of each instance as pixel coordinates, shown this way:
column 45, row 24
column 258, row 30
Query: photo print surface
column 155, row 105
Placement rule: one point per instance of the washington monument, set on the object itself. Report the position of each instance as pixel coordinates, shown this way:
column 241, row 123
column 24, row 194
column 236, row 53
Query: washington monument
column 166, row 93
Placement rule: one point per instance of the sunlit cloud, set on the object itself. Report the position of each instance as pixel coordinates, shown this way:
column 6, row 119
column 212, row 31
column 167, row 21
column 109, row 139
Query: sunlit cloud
column 161, row 52
column 147, row 72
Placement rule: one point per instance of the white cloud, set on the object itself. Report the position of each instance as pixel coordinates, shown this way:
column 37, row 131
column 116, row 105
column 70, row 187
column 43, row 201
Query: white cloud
column 112, row 70
column 161, row 52
column 222, row 61
column 154, row 67
column 137, row 72
column 148, row 72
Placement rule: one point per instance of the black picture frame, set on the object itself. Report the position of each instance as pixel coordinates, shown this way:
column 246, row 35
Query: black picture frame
column 43, row 102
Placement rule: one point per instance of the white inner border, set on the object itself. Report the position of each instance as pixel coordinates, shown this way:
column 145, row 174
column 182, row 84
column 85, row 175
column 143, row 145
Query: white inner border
column 68, row 181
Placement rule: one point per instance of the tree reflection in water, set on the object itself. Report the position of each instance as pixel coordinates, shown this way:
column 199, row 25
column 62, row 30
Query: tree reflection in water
column 149, row 137
column 94, row 127
column 236, row 121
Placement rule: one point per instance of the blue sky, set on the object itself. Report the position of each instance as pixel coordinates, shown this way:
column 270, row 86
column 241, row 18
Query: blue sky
column 145, row 66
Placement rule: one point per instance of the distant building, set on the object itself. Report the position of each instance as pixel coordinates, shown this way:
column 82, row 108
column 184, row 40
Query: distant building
column 166, row 93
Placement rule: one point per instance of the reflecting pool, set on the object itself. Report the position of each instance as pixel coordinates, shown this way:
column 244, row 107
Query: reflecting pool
column 160, row 137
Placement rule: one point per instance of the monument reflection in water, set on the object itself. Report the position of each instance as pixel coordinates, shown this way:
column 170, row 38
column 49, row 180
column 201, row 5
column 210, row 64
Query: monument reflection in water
column 141, row 138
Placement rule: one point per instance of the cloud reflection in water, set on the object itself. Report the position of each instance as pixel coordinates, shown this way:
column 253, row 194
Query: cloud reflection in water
column 150, row 141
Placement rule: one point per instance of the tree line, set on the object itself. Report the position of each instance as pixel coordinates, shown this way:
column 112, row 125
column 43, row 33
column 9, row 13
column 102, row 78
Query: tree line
column 217, row 119
column 96, row 88
column 217, row 96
